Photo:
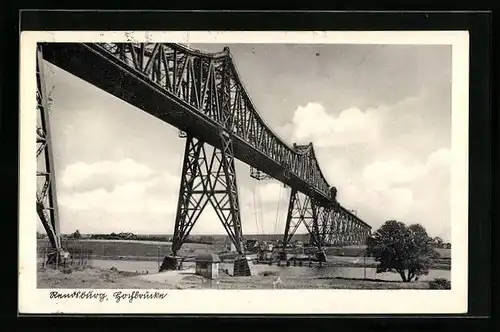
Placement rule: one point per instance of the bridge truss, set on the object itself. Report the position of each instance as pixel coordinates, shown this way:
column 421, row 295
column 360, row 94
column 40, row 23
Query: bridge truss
column 46, row 196
column 203, row 96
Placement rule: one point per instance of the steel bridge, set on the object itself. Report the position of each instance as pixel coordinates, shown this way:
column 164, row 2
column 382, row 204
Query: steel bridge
column 203, row 96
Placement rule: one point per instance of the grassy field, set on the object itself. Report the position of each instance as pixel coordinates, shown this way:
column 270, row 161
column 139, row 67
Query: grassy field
column 117, row 249
column 444, row 253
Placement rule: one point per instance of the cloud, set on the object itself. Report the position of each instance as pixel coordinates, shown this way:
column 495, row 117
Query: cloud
column 383, row 174
column 104, row 174
column 124, row 194
column 152, row 196
column 144, row 201
column 412, row 193
column 311, row 123
column 129, row 196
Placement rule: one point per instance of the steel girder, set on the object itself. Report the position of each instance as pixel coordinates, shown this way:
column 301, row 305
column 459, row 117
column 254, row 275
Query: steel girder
column 303, row 209
column 258, row 175
column 208, row 178
column 300, row 210
column 209, row 83
column 46, row 196
column 328, row 226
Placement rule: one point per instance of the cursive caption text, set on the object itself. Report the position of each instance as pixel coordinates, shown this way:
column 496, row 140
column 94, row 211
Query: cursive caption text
column 102, row 297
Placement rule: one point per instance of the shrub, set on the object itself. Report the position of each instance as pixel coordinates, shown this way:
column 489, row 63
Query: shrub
column 440, row 283
column 405, row 249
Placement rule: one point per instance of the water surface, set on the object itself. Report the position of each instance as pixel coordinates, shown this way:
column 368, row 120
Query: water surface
column 282, row 271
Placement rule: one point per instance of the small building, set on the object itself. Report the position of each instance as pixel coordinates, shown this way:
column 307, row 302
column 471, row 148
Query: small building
column 265, row 255
column 207, row 265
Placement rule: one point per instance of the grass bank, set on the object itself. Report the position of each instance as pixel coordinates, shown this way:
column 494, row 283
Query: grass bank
column 124, row 249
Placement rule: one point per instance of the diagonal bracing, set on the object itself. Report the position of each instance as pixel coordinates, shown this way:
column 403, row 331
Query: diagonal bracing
column 46, row 198
column 206, row 92
column 208, row 178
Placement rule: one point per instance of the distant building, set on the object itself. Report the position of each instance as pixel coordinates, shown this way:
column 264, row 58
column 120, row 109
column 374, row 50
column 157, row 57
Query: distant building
column 207, row 265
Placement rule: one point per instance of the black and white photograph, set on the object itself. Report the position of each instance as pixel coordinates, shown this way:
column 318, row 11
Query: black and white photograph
column 208, row 161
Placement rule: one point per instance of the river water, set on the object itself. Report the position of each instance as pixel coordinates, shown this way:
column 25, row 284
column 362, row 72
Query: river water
column 283, row 271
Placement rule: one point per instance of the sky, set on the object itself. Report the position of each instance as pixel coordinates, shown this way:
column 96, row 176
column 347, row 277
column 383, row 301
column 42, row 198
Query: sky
column 379, row 117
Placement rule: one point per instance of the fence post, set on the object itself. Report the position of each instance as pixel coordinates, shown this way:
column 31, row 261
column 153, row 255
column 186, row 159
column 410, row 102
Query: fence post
column 45, row 258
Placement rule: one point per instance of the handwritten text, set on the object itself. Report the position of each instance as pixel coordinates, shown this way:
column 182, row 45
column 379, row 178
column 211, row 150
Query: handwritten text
column 83, row 295
column 131, row 296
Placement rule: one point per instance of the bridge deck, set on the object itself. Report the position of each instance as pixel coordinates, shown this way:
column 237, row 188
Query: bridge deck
column 110, row 74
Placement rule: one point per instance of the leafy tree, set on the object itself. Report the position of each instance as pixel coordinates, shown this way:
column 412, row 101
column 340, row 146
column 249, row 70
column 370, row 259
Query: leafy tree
column 438, row 242
column 408, row 250
column 76, row 235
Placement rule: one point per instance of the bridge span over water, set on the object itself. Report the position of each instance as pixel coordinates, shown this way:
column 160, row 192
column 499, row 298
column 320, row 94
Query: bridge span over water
column 203, row 96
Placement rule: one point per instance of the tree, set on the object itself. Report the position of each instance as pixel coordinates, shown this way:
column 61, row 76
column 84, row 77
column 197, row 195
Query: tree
column 76, row 235
column 407, row 250
column 438, row 242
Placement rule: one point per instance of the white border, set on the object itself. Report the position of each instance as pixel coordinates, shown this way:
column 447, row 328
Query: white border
column 33, row 300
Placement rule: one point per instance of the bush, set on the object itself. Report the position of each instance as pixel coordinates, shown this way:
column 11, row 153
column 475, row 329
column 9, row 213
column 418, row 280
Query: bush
column 440, row 283
column 407, row 250
column 76, row 235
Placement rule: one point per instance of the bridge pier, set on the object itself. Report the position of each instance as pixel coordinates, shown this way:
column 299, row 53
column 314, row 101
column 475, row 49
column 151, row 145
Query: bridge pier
column 303, row 209
column 209, row 178
column 46, row 197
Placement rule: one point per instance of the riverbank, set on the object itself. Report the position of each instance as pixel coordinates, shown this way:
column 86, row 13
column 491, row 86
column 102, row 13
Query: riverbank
column 98, row 278
column 124, row 250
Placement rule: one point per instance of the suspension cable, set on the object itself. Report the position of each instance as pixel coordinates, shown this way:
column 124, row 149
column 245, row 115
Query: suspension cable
column 277, row 212
column 281, row 225
column 261, row 212
column 255, row 209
